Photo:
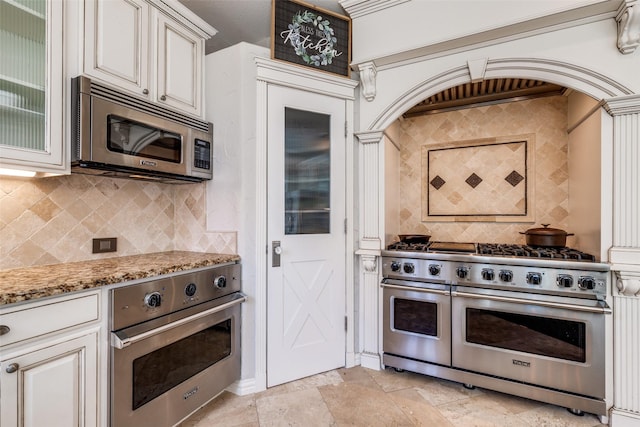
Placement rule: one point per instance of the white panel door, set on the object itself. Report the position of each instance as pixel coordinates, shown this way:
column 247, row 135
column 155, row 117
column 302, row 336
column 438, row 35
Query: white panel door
column 306, row 213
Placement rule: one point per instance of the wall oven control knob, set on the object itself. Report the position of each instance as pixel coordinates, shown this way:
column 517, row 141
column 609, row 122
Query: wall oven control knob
column 434, row 269
column 153, row 300
column 190, row 289
column 409, row 268
column 506, row 275
column 587, row 282
column 220, row 282
column 534, row 278
column 488, row 274
column 564, row 281
column 462, row 272
column 395, row 266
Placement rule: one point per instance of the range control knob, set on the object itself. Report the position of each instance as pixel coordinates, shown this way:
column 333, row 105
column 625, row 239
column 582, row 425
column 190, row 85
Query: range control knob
column 153, row 299
column 462, row 272
column 395, row 266
column 488, row 274
column 434, row 269
column 409, row 268
column 506, row 275
column 586, row 283
column 220, row 282
column 564, row 281
column 190, row 289
column 534, row 278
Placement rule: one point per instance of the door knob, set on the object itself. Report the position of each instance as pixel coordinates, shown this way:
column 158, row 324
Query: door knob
column 275, row 255
column 12, row 368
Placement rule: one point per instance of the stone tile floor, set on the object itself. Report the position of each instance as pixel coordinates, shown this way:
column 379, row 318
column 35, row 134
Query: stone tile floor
column 363, row 397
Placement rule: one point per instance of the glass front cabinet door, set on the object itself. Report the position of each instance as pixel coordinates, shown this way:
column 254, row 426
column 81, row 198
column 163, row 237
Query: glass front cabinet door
column 31, row 86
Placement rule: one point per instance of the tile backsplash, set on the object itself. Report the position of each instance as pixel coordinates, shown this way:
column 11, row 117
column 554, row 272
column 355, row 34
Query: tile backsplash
column 53, row 220
column 546, row 118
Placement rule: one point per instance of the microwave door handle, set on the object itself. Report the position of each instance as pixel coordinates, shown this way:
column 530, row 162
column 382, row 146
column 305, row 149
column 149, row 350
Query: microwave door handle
column 602, row 309
column 145, row 140
column 121, row 340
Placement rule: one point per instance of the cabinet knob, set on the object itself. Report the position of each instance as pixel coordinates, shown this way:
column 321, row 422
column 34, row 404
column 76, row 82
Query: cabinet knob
column 12, row 368
column 163, row 98
column 4, row 330
column 145, row 91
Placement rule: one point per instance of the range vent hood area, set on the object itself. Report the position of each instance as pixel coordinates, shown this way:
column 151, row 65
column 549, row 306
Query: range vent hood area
column 486, row 92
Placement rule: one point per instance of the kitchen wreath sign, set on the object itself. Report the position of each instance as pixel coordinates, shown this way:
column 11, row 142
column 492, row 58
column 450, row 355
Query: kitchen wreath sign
column 309, row 36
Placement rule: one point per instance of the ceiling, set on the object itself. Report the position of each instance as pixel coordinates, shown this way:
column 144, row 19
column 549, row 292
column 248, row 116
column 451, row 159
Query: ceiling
column 250, row 21
column 242, row 20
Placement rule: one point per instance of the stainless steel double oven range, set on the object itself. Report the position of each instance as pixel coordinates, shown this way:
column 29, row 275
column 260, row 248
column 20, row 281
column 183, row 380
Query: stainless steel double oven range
column 522, row 320
column 175, row 344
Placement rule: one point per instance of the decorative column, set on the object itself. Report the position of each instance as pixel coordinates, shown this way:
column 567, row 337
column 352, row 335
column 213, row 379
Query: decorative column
column 624, row 256
column 370, row 178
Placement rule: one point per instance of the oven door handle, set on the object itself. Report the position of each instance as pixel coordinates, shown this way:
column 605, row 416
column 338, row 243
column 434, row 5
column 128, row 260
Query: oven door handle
column 604, row 309
column 121, row 340
column 411, row 288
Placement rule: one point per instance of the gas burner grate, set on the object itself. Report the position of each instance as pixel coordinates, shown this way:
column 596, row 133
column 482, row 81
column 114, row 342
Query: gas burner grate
column 404, row 246
column 499, row 249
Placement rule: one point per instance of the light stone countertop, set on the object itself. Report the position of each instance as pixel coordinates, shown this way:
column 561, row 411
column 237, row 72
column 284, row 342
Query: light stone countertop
column 30, row 283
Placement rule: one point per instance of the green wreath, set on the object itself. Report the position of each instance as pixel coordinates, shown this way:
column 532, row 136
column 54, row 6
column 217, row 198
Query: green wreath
column 326, row 55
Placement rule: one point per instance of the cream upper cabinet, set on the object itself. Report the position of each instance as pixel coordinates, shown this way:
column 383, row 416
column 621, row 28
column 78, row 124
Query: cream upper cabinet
column 116, row 44
column 32, row 86
column 180, row 57
column 152, row 53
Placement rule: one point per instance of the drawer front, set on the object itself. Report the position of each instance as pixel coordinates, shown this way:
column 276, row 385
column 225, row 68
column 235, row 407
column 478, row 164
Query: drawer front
column 43, row 319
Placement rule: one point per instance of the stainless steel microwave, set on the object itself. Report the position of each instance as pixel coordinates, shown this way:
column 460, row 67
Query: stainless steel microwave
column 119, row 135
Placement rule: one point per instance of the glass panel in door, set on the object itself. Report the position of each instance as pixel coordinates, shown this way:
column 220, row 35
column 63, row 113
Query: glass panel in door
column 161, row 370
column 23, row 54
column 559, row 338
column 307, row 172
column 419, row 317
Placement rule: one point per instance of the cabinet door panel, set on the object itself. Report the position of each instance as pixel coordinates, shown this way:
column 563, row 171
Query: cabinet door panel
column 51, row 391
column 116, row 42
column 51, row 386
column 31, row 86
column 179, row 66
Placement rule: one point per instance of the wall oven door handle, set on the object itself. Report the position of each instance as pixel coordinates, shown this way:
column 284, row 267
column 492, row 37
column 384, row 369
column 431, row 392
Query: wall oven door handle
column 120, row 339
column 603, row 309
column 411, row 288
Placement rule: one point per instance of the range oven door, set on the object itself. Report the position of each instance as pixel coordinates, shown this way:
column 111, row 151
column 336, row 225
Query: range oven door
column 554, row 342
column 164, row 369
column 417, row 321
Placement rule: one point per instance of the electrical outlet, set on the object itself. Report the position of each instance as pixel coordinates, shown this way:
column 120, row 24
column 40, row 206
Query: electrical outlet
column 105, row 244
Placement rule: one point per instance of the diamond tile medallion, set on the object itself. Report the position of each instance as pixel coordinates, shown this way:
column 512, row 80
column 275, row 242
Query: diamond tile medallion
column 485, row 180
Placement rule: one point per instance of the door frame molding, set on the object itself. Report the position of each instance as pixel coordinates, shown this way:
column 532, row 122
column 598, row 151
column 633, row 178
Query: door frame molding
column 270, row 72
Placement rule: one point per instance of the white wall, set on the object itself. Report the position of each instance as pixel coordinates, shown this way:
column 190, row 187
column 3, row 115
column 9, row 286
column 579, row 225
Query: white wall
column 230, row 83
column 419, row 23
column 584, row 159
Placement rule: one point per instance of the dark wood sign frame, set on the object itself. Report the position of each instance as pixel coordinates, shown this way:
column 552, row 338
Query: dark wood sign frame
column 309, row 36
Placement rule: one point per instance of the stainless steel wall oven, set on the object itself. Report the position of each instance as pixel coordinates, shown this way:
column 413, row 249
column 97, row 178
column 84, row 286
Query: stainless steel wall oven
column 525, row 324
column 175, row 344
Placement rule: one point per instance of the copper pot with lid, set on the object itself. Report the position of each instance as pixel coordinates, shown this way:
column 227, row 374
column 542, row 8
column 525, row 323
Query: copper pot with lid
column 545, row 236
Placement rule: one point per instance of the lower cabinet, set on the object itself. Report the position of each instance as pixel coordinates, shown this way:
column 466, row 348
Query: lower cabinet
column 53, row 385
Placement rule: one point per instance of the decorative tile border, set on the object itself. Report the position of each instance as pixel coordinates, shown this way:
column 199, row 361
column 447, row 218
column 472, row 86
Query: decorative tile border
column 488, row 180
